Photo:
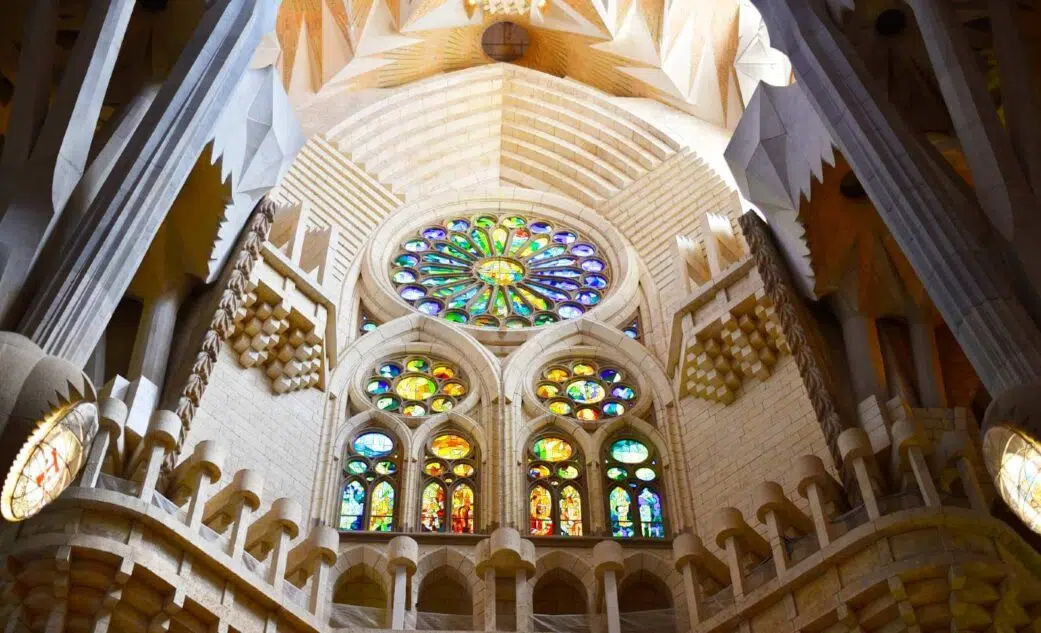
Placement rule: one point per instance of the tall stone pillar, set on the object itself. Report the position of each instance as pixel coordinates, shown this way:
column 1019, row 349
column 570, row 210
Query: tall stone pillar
column 932, row 216
column 402, row 555
column 608, row 562
column 506, row 554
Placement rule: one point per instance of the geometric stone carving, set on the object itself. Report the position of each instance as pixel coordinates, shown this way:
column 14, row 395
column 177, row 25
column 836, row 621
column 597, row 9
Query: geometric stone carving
column 731, row 334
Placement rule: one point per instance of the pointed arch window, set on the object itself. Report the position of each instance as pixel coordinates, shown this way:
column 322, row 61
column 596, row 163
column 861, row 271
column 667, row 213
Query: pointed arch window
column 633, row 488
column 556, row 487
column 371, row 471
column 448, row 502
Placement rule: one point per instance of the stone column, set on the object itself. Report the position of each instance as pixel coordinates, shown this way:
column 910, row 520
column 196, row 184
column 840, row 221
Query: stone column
column 489, row 599
column 318, row 601
column 855, row 448
column 163, row 433
column 863, row 350
column 951, row 452
column 112, row 413
column 737, row 539
column 522, row 596
column 931, row 391
column 608, row 562
column 506, row 554
column 912, row 445
column 931, row 215
column 690, row 558
column 287, row 526
column 402, row 556
column 817, row 487
column 207, row 462
column 778, row 514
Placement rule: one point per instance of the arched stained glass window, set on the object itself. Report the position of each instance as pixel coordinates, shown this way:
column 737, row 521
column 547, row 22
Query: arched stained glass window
column 416, row 386
column 555, row 487
column 371, row 472
column 500, row 271
column 586, row 390
column 634, row 501
column 449, row 499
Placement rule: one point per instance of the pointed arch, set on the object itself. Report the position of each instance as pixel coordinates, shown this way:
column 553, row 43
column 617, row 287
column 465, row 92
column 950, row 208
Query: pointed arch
column 458, row 511
column 560, row 562
column 644, row 563
column 457, row 565
column 362, row 561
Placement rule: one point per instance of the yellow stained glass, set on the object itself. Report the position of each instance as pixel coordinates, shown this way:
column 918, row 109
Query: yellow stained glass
column 416, row 388
column 540, row 511
column 547, row 391
column 463, row 470
column 556, row 374
column 583, row 369
column 552, row 449
column 499, row 271
column 440, row 405
column 434, row 469
column 560, row 407
column 463, row 509
column 443, row 372
column 454, row 389
column 450, row 447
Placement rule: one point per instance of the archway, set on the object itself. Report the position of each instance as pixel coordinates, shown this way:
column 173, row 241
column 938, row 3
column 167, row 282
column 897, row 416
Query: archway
column 359, row 600
column 444, row 602
column 645, row 603
column 559, row 603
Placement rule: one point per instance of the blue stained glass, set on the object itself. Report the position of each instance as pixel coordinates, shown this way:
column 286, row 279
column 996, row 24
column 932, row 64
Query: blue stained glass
column 556, row 263
column 434, row 233
column 415, row 245
column 411, row 293
column 624, row 392
column 620, row 506
column 593, row 266
column 405, row 259
column 540, row 227
column 352, row 506
column 610, row 375
column 629, row 451
column 373, row 444
column 583, row 250
column 651, row 524
column 458, row 224
column 564, row 237
column 390, row 370
column 558, row 272
column 433, row 308
column 588, row 297
column 561, row 284
column 595, row 281
column 570, row 311
column 552, row 251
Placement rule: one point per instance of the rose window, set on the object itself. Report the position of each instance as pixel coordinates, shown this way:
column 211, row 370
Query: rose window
column 586, row 390
column 416, row 386
column 503, row 271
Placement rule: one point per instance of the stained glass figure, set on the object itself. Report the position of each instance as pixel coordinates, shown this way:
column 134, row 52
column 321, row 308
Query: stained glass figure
column 381, row 512
column 555, row 487
column 631, row 464
column 432, row 508
column 451, row 465
column 371, row 471
column 584, row 390
column 500, row 272
column 416, row 386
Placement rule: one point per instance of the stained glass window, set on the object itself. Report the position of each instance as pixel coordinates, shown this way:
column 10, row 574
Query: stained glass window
column 555, row 485
column 634, row 502
column 416, row 386
column 366, row 323
column 500, row 271
column 449, row 499
column 633, row 330
column 371, row 468
column 586, row 390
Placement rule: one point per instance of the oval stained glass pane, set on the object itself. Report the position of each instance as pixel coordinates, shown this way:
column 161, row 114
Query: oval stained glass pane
column 552, row 449
column 450, row 446
column 416, row 388
column 377, row 386
column 625, row 392
column 556, row 374
column 373, row 444
column 540, row 511
column 583, row 369
column 390, row 370
column 419, row 365
column 414, row 410
column 593, row 266
column 454, row 389
column 381, row 510
column 538, row 472
column 411, row 293
column 567, row 472
column 434, row 469
column 406, row 259
column 585, row 391
column 437, row 233
column 564, row 237
column 570, row 311
column 545, row 391
column 583, row 250
column 403, row 277
column 462, row 509
column 618, row 474
column 560, row 407
column 386, row 467
column 441, row 404
column 610, row 375
column 587, row 414
column 646, row 474
column 540, row 227
column 613, row 409
column 432, row 508
column 431, row 307
column 463, row 470
column 415, row 246
column 356, row 467
column 443, row 372
column 455, row 316
column 458, row 224
column 629, row 451
column 388, row 403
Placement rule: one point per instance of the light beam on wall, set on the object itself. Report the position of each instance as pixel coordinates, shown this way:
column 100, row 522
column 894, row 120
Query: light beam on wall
column 1012, row 451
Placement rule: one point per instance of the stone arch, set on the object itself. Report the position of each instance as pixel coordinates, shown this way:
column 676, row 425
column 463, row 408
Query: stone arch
column 362, row 565
column 652, row 570
column 456, row 565
column 572, row 570
column 371, row 419
column 570, row 429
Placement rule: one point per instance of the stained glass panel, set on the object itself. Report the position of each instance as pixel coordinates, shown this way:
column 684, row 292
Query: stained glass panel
column 463, row 509
column 373, row 444
column 619, row 504
column 415, row 386
column 570, row 511
column 381, row 512
column 432, row 508
column 581, row 389
column 540, row 511
column 450, row 447
column 463, row 470
column 552, row 449
column 352, row 506
column 629, row 451
column 651, row 524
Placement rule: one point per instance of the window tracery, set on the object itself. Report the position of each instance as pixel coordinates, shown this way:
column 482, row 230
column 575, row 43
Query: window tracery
column 500, row 271
column 448, row 502
column 633, row 492
column 585, row 390
column 371, row 471
column 555, row 487
column 416, row 386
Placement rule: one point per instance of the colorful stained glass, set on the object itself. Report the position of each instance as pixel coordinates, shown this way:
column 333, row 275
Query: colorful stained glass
column 390, row 370
column 539, row 471
column 377, row 386
column 419, row 365
column 651, row 524
column 373, row 444
column 506, row 267
column 646, row 474
column 620, row 507
column 567, row 472
column 552, row 449
column 454, row 389
column 440, row 405
column 443, row 372
column 629, row 451
column 434, row 469
column 381, row 512
column 586, row 387
column 352, row 506
column 463, row 470
column 633, row 329
column 427, row 385
column 416, row 388
column 570, row 511
column 463, row 509
column 386, row 467
column 618, row 474
column 450, row 446
column 432, row 508
column 540, row 508
column 356, row 467
column 414, row 410
column 388, row 403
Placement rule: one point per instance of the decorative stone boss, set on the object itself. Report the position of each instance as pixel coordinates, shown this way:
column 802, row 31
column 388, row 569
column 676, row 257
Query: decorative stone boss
column 48, row 417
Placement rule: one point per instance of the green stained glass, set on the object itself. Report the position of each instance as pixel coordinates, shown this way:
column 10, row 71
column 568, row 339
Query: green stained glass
column 538, row 302
column 450, row 290
column 567, row 472
column 552, row 449
column 464, row 244
column 520, row 236
column 452, row 250
column 433, row 282
column 514, row 221
column 460, row 301
column 499, row 304
column 629, row 451
column 373, row 444
column 499, row 236
column 357, row 467
column 441, row 270
column 534, row 246
column 585, row 391
column 552, row 251
column 388, row 403
column 485, row 222
column 618, row 474
column 545, row 319
column 480, row 239
column 435, row 258
column 517, row 304
column 416, row 388
column 386, row 467
column 455, row 316
column 480, row 303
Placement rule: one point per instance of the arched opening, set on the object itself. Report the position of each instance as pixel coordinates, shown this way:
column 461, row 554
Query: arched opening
column 559, row 602
column 444, row 602
column 359, row 600
column 645, row 603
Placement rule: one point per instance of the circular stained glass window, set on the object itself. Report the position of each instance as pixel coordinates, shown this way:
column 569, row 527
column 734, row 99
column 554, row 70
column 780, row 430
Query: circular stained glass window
column 415, row 386
column 500, row 271
column 585, row 390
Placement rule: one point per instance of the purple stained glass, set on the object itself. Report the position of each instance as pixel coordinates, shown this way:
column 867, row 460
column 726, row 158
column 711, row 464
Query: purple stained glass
column 583, row 250
column 588, row 298
column 595, row 281
column 570, row 311
column 435, row 233
column 610, row 375
column 593, row 266
column 411, row 293
column 540, row 227
column 564, row 237
column 458, row 225
column 433, row 308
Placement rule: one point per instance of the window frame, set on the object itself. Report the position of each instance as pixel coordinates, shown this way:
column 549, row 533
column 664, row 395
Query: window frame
column 394, row 479
column 656, row 486
column 473, row 459
column 579, row 483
